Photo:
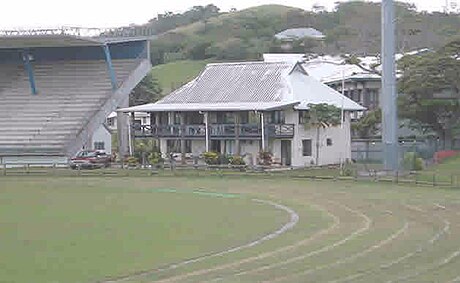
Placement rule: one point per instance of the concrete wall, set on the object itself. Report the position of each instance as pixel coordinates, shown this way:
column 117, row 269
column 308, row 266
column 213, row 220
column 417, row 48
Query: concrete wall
column 339, row 150
column 102, row 135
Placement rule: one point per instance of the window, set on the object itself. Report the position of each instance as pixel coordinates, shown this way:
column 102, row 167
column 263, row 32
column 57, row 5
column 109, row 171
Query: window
column 175, row 146
column 177, row 118
column 276, row 117
column 99, row 146
column 229, row 146
column 304, row 117
column 329, row 142
column 306, row 147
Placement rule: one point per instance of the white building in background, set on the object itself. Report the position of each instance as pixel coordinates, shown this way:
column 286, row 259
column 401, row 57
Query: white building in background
column 300, row 33
column 244, row 108
column 102, row 139
column 140, row 118
column 361, row 86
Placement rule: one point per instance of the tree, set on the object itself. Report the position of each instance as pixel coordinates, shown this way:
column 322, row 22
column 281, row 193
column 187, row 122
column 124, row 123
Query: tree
column 431, row 88
column 148, row 91
column 368, row 126
column 323, row 116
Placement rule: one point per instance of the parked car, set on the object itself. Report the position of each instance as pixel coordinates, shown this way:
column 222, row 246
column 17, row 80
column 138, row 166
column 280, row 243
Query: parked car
column 90, row 159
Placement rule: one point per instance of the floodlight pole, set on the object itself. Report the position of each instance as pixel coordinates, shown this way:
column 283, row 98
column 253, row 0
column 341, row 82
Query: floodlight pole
column 389, row 95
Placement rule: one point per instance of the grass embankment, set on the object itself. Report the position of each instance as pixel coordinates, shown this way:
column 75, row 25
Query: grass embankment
column 172, row 75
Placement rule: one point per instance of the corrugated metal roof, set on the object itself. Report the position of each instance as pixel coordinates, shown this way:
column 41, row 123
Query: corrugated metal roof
column 249, row 86
column 299, row 33
column 214, row 107
column 235, row 82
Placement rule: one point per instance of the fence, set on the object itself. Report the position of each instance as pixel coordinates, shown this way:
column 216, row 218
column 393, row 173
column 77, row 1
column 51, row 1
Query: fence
column 351, row 173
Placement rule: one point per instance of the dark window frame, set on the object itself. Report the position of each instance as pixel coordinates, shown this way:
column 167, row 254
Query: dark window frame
column 307, row 148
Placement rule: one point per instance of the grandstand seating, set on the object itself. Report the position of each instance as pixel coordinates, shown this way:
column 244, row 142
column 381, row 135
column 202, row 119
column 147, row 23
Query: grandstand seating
column 70, row 93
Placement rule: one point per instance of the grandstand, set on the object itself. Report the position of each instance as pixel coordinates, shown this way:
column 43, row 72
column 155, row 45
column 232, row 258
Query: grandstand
column 57, row 88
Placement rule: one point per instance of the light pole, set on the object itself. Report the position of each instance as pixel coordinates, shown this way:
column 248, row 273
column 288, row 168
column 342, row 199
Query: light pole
column 389, row 95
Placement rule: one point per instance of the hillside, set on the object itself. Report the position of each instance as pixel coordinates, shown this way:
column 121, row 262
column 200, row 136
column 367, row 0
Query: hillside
column 173, row 75
column 354, row 27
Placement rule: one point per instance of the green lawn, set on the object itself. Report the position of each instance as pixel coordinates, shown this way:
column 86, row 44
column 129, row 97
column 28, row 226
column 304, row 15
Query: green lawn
column 174, row 74
column 86, row 229
column 69, row 230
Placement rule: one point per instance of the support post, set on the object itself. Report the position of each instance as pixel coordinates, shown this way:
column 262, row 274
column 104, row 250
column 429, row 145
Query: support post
column 389, row 95
column 206, row 124
column 30, row 71
column 131, row 122
column 262, row 123
column 108, row 60
column 122, row 131
column 183, row 148
column 237, row 133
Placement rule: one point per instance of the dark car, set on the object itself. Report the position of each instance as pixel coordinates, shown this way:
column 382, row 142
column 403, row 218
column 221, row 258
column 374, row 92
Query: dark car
column 90, row 159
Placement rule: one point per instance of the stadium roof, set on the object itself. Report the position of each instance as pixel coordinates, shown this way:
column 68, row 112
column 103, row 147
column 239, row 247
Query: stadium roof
column 250, row 86
column 65, row 37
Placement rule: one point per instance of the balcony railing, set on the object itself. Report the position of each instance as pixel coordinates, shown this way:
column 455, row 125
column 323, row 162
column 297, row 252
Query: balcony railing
column 243, row 131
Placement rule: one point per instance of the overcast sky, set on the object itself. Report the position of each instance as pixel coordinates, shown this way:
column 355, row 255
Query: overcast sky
column 105, row 13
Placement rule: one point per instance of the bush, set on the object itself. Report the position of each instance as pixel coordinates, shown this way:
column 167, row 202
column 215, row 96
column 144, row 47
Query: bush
column 223, row 159
column 237, row 161
column 412, row 162
column 132, row 161
column 155, row 158
column 347, row 172
column 265, row 158
column 211, row 158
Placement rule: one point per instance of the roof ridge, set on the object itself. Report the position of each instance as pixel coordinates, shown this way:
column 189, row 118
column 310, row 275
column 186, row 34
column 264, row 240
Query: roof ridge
column 248, row 63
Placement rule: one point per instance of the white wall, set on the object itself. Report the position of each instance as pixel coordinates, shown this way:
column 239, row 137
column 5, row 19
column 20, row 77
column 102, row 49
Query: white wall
column 102, row 135
column 340, row 149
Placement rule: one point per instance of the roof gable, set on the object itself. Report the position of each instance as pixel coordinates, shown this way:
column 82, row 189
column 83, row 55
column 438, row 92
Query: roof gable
column 251, row 83
column 236, row 82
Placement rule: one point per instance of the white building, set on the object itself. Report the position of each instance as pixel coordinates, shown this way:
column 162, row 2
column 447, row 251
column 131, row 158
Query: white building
column 244, row 108
column 102, row 139
column 140, row 118
column 361, row 86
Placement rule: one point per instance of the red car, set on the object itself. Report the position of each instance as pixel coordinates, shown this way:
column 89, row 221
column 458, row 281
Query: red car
column 90, row 159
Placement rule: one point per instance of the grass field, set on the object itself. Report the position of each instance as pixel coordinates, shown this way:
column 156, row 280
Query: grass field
column 177, row 73
column 91, row 229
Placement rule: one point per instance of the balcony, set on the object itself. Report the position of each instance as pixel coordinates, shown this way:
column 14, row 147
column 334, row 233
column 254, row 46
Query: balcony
column 216, row 131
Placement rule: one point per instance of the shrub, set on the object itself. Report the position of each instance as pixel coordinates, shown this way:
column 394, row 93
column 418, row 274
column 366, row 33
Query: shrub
column 265, row 158
column 155, row 158
column 132, row 161
column 211, row 158
column 237, row 160
column 223, row 159
column 412, row 162
column 347, row 172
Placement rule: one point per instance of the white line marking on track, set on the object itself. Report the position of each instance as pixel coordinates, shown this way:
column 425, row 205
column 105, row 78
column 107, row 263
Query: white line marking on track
column 261, row 256
column 420, row 249
column 349, row 258
column 294, row 219
column 322, row 250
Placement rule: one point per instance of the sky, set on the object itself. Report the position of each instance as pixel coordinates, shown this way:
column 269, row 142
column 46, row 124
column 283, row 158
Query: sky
column 108, row 13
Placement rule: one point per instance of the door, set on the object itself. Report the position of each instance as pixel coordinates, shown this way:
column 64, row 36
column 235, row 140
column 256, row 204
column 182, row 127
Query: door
column 286, row 153
column 216, row 146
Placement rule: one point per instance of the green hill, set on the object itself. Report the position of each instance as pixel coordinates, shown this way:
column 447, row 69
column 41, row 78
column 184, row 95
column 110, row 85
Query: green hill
column 191, row 41
column 173, row 75
column 353, row 27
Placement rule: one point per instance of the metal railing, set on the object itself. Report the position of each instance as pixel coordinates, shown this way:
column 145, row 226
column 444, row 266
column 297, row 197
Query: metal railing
column 134, row 31
column 215, row 131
